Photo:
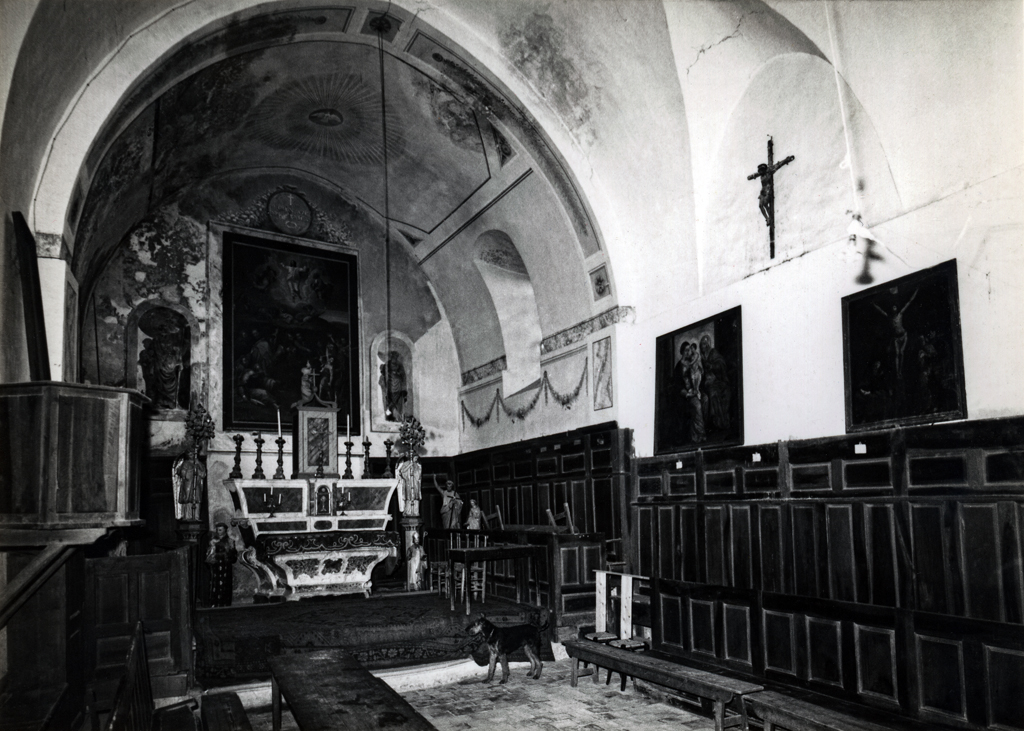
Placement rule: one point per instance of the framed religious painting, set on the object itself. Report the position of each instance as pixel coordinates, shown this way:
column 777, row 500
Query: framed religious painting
column 699, row 385
column 902, row 353
column 290, row 332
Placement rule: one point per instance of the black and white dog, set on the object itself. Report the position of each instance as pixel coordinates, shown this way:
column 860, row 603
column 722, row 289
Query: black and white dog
column 503, row 641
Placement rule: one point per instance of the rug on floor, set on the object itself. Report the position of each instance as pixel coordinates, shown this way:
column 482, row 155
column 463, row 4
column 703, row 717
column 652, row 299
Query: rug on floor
column 233, row 644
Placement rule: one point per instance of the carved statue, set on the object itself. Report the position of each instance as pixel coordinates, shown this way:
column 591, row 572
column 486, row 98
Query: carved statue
column 417, row 559
column 451, row 504
column 410, row 480
column 393, row 387
column 220, row 555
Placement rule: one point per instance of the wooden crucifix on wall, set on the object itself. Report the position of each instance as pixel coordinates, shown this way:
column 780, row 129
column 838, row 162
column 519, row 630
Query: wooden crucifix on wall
column 766, row 200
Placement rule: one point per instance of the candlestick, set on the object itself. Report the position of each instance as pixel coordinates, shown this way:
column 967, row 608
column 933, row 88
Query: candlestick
column 366, row 456
column 388, row 444
column 258, row 474
column 236, row 471
column 348, row 462
column 279, row 474
column 279, row 435
column 319, row 465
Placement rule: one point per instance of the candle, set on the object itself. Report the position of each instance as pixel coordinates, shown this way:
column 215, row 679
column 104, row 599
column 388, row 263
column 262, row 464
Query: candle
column 348, row 428
column 279, row 423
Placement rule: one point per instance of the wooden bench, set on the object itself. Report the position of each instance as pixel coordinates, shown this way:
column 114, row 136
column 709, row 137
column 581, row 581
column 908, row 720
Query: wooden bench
column 131, row 708
column 778, row 711
column 327, row 690
column 720, row 690
column 224, row 712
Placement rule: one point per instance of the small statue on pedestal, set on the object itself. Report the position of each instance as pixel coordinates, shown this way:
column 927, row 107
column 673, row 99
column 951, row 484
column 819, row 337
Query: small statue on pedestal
column 410, row 479
column 220, row 555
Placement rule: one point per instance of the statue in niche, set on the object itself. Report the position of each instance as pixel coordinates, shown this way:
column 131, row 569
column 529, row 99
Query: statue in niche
column 393, row 387
column 163, row 359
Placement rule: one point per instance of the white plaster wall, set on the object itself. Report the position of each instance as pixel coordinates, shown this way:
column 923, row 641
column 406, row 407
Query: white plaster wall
column 436, row 378
column 792, row 319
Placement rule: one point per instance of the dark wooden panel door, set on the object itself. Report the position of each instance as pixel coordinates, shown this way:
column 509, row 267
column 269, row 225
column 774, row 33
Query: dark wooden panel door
column 153, row 589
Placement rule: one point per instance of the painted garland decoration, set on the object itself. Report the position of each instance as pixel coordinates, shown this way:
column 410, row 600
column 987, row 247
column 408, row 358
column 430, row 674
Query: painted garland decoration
column 564, row 400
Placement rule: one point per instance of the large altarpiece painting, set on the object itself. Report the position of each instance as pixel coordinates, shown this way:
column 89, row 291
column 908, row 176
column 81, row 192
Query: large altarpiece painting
column 291, row 317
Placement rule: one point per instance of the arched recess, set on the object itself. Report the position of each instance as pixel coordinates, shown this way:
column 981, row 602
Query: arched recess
column 793, row 98
column 152, row 321
column 512, row 293
column 391, row 352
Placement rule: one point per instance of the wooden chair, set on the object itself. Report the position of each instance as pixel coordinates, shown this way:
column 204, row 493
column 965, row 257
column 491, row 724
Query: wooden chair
column 477, row 573
column 496, row 517
column 438, row 566
column 553, row 518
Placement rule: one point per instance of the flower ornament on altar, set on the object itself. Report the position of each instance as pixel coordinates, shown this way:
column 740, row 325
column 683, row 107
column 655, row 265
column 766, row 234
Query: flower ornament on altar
column 411, row 435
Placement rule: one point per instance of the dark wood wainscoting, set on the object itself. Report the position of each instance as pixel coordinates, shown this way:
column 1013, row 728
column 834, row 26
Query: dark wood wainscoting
column 882, row 568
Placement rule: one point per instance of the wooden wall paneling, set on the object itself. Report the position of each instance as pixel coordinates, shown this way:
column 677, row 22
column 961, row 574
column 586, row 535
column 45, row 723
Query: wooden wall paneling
column 1004, row 701
column 980, row 558
column 940, row 678
column 1012, row 532
column 582, row 506
column 715, row 545
column 803, row 520
column 737, row 642
column 772, row 547
column 930, row 557
column 645, row 534
column 513, row 515
column 742, row 553
column 842, row 580
column 703, row 628
column 880, row 544
column 689, row 543
column 670, row 621
column 668, row 543
column 1004, row 469
column 876, row 666
column 779, row 632
column 824, row 651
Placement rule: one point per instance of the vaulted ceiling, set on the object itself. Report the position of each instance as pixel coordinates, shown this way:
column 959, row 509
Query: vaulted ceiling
column 295, row 97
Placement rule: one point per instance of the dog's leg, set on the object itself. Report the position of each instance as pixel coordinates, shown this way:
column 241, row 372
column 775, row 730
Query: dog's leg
column 535, row 664
column 504, row 669
column 493, row 661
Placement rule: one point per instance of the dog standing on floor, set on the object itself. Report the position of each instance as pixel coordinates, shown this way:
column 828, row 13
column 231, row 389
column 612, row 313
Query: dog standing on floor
column 503, row 641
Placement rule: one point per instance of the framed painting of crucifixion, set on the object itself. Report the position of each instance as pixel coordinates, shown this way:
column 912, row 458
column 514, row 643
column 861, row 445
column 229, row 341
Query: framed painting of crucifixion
column 902, row 352
column 291, row 315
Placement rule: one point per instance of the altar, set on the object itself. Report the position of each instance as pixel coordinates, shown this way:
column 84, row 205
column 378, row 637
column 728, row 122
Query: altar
column 315, row 536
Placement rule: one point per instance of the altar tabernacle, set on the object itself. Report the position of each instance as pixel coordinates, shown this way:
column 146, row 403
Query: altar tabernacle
column 313, row 537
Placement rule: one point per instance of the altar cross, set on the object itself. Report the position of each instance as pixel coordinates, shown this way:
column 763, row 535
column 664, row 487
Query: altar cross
column 766, row 200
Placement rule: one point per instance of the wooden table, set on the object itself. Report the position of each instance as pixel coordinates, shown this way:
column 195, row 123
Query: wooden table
column 328, row 690
column 521, row 553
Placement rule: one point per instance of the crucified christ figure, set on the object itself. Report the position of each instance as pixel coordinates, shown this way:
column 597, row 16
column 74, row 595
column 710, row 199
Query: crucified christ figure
column 899, row 333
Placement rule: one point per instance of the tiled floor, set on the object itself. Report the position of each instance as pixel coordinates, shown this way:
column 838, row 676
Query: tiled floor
column 548, row 704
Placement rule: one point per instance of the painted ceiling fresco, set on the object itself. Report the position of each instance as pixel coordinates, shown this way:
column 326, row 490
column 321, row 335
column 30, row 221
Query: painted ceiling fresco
column 317, row 106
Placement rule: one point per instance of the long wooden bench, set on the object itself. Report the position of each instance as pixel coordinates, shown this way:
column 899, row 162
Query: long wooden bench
column 224, row 712
column 777, row 711
column 725, row 693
